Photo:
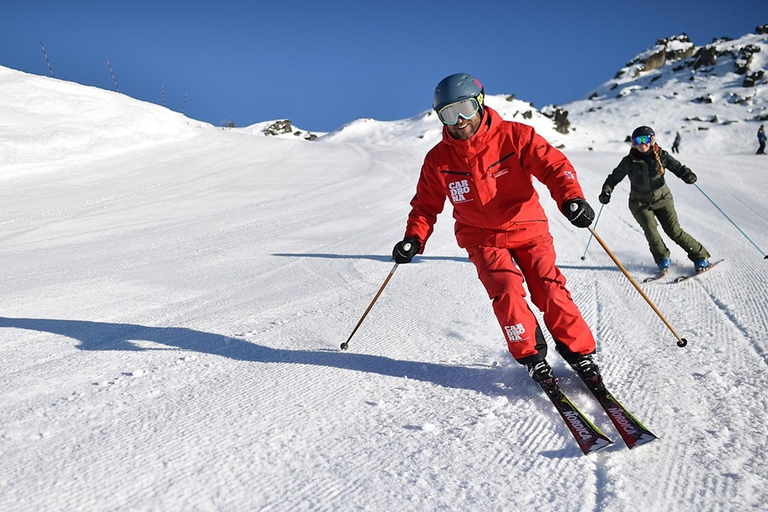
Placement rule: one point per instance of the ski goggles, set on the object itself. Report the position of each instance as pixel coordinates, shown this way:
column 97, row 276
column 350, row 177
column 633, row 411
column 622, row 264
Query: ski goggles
column 450, row 114
column 643, row 139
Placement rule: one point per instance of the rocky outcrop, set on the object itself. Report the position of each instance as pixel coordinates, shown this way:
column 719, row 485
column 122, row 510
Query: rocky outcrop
column 560, row 117
column 677, row 52
column 284, row 126
column 278, row 128
column 752, row 78
column 706, row 56
column 744, row 58
column 669, row 49
column 655, row 61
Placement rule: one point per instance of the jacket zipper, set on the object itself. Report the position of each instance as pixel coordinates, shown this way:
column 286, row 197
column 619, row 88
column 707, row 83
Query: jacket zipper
column 494, row 164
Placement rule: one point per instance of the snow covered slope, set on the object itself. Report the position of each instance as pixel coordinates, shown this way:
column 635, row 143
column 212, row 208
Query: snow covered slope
column 54, row 122
column 173, row 297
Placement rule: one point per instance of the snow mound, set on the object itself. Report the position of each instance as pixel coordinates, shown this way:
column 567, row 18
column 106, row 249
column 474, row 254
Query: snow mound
column 46, row 121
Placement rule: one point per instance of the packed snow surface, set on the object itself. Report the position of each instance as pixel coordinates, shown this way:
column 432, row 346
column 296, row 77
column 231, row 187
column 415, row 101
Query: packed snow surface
column 173, row 297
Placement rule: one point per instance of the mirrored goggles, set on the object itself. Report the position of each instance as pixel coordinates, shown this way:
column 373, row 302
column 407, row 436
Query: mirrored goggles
column 643, row 139
column 449, row 114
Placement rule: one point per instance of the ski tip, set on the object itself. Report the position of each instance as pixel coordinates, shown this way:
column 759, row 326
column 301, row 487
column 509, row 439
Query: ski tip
column 647, row 437
column 599, row 444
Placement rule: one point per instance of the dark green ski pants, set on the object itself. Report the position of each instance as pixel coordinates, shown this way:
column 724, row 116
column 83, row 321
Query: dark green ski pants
column 646, row 215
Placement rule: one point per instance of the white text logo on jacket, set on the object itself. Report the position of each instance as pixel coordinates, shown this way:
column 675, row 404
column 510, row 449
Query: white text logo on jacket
column 458, row 190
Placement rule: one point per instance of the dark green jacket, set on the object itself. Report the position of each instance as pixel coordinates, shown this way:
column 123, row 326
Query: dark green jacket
column 647, row 187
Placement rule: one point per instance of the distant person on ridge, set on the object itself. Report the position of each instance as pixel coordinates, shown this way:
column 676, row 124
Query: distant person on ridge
column 650, row 198
column 676, row 143
column 761, row 140
column 484, row 166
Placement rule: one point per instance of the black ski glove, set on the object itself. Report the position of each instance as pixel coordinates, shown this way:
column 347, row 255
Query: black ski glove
column 579, row 212
column 689, row 178
column 605, row 197
column 406, row 249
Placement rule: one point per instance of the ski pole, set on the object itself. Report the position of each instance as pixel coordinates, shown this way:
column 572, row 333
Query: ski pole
column 584, row 256
column 391, row 272
column 765, row 256
column 681, row 342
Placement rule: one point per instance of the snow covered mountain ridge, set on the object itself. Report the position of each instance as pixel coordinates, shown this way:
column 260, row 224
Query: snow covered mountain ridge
column 715, row 95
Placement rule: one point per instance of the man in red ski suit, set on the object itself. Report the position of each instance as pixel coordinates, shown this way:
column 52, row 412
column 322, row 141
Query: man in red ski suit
column 484, row 166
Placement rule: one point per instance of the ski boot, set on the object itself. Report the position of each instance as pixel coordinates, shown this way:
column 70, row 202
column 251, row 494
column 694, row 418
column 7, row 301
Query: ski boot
column 701, row 264
column 541, row 373
column 586, row 368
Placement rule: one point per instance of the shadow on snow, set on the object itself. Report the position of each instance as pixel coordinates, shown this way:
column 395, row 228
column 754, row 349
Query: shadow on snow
column 113, row 336
column 374, row 257
column 417, row 259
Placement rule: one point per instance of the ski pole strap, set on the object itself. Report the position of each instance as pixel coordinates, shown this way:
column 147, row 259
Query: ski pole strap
column 600, row 211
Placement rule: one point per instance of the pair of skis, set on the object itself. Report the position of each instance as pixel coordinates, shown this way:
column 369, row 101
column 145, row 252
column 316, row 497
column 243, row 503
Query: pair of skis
column 587, row 434
column 681, row 278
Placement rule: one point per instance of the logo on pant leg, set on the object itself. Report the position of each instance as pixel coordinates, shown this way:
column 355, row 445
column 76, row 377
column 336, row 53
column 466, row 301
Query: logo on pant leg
column 514, row 332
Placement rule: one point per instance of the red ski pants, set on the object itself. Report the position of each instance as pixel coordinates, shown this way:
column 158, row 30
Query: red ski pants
column 502, row 272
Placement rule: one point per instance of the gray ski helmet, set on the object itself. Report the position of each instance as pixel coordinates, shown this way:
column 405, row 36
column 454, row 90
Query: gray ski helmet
column 643, row 130
column 457, row 87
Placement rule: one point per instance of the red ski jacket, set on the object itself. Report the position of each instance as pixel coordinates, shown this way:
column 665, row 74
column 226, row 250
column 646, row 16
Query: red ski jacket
column 488, row 179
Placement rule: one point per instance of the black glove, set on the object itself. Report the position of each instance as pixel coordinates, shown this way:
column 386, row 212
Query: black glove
column 579, row 212
column 405, row 250
column 605, row 197
column 689, row 178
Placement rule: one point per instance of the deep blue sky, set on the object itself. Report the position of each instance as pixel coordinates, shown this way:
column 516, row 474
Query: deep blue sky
column 325, row 63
